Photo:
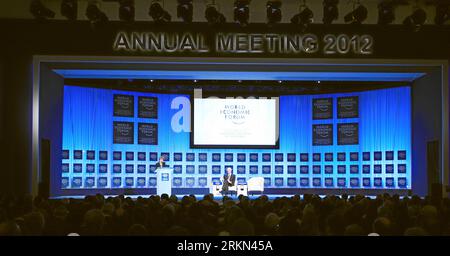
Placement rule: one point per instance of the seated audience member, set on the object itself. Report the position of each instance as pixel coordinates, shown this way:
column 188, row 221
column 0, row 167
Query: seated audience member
column 242, row 227
column 334, row 225
column 9, row 228
column 34, row 224
column 354, row 230
column 271, row 223
column 415, row 231
column 93, row 223
column 177, row 231
column 382, row 226
column 166, row 215
column 137, row 230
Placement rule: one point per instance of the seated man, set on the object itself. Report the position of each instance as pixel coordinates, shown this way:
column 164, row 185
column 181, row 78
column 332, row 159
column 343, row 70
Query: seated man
column 228, row 180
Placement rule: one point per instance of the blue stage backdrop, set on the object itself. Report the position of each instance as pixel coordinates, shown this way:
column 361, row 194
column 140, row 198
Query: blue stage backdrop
column 346, row 140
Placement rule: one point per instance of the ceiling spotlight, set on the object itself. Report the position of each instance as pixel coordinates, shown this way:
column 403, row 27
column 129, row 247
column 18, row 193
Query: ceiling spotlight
column 213, row 16
column 273, row 10
column 157, row 12
column 358, row 15
column 442, row 13
column 94, row 14
column 386, row 12
column 416, row 19
column 39, row 11
column 304, row 17
column 69, row 9
column 185, row 10
column 126, row 10
column 241, row 12
column 330, row 11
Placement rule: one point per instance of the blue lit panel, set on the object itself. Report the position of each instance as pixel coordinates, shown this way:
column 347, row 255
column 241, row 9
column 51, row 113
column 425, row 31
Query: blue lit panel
column 91, row 161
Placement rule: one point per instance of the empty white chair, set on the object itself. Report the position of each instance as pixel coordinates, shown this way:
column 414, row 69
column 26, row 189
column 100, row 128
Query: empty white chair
column 232, row 189
column 255, row 184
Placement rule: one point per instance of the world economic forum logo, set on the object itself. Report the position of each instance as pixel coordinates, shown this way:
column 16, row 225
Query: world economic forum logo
column 292, row 182
column 129, row 181
column 323, row 130
column 237, row 114
column 366, row 182
column 348, row 132
column 65, row 182
column 190, row 182
column 278, row 182
column 102, row 182
column 141, row 182
column 354, row 182
column 304, row 182
column 177, row 182
column 202, row 181
column 117, row 181
column 322, row 107
column 76, row 182
column 347, row 103
column 124, row 101
column 402, row 182
column 316, row 182
column 89, row 182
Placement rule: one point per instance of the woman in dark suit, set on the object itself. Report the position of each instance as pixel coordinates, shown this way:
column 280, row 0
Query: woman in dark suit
column 160, row 163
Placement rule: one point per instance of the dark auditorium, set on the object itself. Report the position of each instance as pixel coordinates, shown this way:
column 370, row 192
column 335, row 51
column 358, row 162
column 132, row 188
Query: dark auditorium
column 213, row 119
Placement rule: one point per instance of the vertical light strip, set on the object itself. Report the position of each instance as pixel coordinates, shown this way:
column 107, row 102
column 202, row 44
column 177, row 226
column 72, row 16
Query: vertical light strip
column 35, row 128
column 277, row 120
column 445, row 127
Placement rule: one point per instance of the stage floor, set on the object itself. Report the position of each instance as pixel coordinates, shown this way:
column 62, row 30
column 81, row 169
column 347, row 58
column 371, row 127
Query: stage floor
column 199, row 197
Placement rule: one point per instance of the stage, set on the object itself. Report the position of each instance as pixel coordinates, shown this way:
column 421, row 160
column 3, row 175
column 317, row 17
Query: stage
column 383, row 160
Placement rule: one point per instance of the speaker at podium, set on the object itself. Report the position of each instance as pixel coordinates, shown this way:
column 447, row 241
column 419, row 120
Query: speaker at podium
column 164, row 181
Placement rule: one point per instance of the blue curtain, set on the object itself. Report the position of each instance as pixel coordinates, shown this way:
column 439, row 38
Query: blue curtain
column 384, row 126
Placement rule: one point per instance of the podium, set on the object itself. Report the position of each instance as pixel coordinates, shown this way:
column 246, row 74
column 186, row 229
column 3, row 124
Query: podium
column 164, row 181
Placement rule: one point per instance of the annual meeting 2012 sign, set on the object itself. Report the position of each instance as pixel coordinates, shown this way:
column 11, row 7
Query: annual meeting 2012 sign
column 237, row 43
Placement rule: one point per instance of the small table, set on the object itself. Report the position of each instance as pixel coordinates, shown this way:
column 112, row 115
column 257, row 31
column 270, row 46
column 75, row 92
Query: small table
column 242, row 190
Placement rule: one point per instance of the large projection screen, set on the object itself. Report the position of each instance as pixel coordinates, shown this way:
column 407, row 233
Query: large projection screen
column 235, row 123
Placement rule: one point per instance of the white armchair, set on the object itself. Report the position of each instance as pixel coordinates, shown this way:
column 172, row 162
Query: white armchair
column 232, row 189
column 255, row 184
column 217, row 190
